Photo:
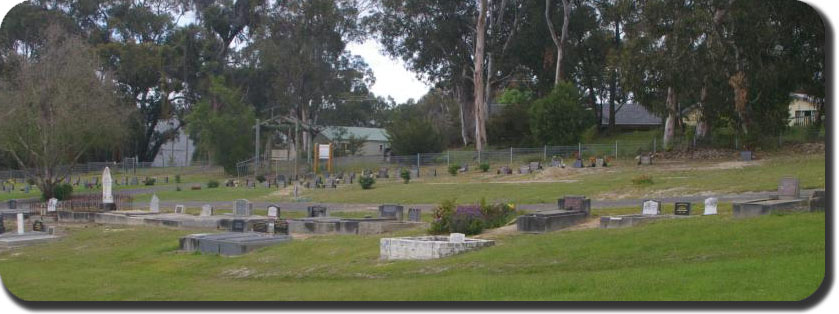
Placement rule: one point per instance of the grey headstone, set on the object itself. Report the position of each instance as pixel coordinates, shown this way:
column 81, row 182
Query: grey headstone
column 600, row 162
column 789, row 189
column 414, row 214
column 317, row 211
column 535, row 165
column 391, row 211
column 12, row 204
column 710, row 206
column 524, row 169
column 243, row 208
column 578, row 163
column 206, row 210
column 180, row 209
column 273, row 211
column 646, row 160
column 154, row 204
column 575, row 202
column 26, row 189
column 746, row 155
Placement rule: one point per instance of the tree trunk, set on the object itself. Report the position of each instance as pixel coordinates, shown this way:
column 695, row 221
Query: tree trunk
column 613, row 87
column 480, row 102
column 739, row 83
column 670, row 123
column 465, row 105
column 702, row 125
column 559, row 42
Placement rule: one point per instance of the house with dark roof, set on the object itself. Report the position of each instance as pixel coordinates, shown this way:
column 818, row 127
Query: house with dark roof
column 632, row 116
column 376, row 142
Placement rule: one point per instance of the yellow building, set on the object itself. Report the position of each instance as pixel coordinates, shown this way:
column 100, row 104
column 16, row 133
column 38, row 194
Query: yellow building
column 803, row 109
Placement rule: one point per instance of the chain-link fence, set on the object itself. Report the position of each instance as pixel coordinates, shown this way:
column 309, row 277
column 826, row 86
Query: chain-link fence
column 128, row 165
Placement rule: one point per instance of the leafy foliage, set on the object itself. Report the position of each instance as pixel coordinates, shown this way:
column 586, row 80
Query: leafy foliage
column 413, row 135
column 453, row 169
column 406, row 175
column 559, row 118
column 366, row 182
column 212, row 184
column 61, row 192
column 469, row 219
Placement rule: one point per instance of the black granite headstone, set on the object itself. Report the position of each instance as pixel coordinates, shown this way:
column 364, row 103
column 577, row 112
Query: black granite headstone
column 682, row 209
column 238, row 225
column 2, row 225
column 316, row 211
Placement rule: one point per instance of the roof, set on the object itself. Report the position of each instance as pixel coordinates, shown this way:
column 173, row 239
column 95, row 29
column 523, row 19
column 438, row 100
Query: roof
column 631, row 114
column 372, row 134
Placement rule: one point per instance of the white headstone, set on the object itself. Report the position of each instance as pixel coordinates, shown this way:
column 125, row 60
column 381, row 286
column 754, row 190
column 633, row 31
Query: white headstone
column 711, row 206
column 272, row 211
column 154, row 204
column 207, row 210
column 107, row 182
column 457, row 237
column 651, row 207
column 51, row 204
column 180, row 209
column 20, row 223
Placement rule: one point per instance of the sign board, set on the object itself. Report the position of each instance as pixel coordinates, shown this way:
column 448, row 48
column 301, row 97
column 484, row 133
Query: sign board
column 323, row 151
column 682, row 209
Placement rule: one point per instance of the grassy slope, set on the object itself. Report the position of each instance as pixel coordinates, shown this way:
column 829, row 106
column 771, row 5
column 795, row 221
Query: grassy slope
column 704, row 258
column 764, row 177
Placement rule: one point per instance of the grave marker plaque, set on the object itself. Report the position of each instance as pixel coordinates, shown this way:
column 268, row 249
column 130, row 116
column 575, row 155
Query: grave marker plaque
column 391, row 211
column 710, row 206
column 682, row 208
column 2, row 225
column 51, row 204
column 746, row 155
column 207, row 210
column 243, row 208
column 238, row 225
column 575, row 202
column 154, row 204
column 524, row 169
column 578, row 163
column 317, row 211
column 457, row 238
column 414, row 214
column 651, row 207
column 180, row 209
column 12, row 204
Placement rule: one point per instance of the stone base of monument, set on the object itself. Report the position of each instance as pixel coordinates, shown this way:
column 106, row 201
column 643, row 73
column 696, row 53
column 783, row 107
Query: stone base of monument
column 13, row 239
column 550, row 220
column 427, row 247
column 334, row 225
column 231, row 243
column 623, row 221
column 76, row 217
column 760, row 207
column 175, row 220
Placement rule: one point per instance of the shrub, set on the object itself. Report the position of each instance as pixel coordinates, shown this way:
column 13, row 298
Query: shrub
column 260, row 178
column 62, row 191
column 469, row 219
column 642, row 180
column 466, row 223
column 453, row 169
column 560, row 117
column 212, row 184
column 149, row 181
column 441, row 216
column 497, row 215
column 484, row 167
column 178, row 188
column 366, row 182
column 406, row 175
column 177, row 178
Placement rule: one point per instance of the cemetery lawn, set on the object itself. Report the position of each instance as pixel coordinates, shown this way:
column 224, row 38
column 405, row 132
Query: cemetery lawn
column 672, row 179
column 775, row 257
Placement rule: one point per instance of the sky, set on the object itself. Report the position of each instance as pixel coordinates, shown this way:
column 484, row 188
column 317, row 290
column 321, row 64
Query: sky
column 392, row 77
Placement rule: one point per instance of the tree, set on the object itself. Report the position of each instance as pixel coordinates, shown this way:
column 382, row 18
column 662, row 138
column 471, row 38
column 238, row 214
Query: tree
column 512, row 125
column 409, row 132
column 559, row 118
column 223, row 125
column 56, row 107
column 480, row 101
column 558, row 41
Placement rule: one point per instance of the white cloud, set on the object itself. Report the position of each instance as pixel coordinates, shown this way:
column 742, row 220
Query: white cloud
column 392, row 78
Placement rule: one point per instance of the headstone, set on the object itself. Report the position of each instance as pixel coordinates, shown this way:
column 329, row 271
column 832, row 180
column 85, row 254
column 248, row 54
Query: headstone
column 135, row 181
column 600, row 162
column 50, row 230
column 505, row 170
column 154, row 204
column 645, row 160
column 19, row 223
column 415, row 173
column 26, row 189
column 535, row 165
column 2, row 225
column 414, row 214
column 273, row 211
column 180, row 209
column 817, row 201
column 243, row 208
column 51, row 204
column 457, row 238
column 382, row 173
column 107, row 183
column 651, row 207
column 524, row 169
column 12, row 204
column 710, row 206
column 316, row 211
column 788, row 189
column 682, row 208
column 206, row 210
column 746, row 155
column 578, row 163
column 267, row 183
column 38, row 226
column 391, row 211
column 575, row 202
column 238, row 225
column 330, row 183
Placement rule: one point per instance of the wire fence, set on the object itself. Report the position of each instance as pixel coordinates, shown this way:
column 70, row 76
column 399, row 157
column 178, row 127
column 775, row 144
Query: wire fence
column 129, row 165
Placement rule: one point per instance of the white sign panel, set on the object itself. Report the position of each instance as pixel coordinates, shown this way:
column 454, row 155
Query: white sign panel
column 711, row 206
column 650, row 208
column 323, row 151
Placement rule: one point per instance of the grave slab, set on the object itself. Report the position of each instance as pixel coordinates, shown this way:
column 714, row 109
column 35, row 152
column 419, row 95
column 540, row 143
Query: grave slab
column 229, row 244
column 427, row 247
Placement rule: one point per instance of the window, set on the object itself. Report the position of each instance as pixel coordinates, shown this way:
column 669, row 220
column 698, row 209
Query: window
column 380, row 147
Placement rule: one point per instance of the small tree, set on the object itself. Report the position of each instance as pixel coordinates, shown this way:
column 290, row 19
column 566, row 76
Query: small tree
column 412, row 136
column 560, row 117
column 55, row 107
column 406, row 175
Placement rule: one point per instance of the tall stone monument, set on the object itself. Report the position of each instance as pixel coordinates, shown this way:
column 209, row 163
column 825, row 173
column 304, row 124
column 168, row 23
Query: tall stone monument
column 107, row 193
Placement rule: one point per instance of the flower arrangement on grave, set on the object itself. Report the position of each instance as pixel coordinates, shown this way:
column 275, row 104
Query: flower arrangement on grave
column 592, row 160
column 470, row 219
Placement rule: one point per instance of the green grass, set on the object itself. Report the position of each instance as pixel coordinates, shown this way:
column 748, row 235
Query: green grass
column 614, row 182
column 777, row 257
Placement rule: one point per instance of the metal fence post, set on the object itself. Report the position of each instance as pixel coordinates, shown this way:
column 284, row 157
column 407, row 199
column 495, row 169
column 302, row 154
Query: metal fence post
column 654, row 145
column 579, row 150
column 511, row 156
column 418, row 164
column 545, row 154
column 616, row 149
column 448, row 159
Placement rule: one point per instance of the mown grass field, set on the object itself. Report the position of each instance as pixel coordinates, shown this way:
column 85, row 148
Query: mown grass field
column 777, row 257
column 609, row 183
